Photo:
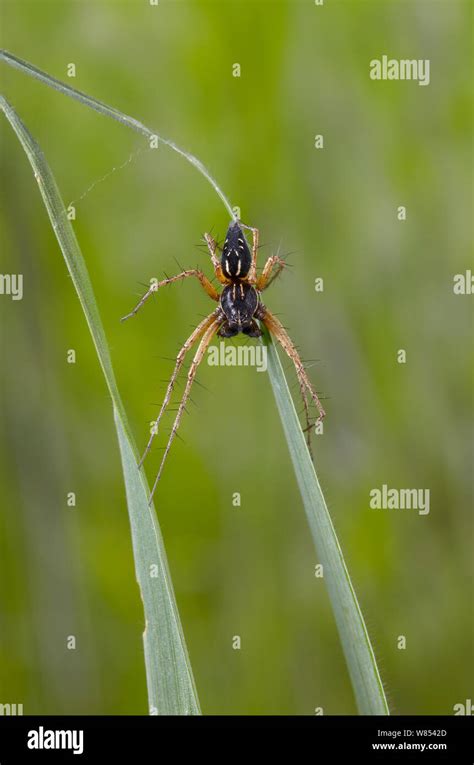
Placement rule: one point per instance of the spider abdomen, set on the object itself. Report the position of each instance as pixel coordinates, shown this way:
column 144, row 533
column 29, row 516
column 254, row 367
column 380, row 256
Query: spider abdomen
column 239, row 302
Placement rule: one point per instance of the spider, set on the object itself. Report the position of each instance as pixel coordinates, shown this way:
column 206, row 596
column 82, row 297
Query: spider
column 239, row 308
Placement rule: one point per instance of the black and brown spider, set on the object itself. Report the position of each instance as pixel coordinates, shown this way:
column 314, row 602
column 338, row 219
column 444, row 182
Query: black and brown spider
column 239, row 308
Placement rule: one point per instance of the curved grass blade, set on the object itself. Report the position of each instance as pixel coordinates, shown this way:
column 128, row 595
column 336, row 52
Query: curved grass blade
column 360, row 658
column 115, row 114
column 171, row 688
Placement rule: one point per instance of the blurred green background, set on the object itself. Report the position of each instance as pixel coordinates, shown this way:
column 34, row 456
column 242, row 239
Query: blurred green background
column 388, row 285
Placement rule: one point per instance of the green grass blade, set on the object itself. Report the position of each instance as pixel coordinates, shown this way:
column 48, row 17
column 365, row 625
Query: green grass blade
column 170, row 682
column 353, row 633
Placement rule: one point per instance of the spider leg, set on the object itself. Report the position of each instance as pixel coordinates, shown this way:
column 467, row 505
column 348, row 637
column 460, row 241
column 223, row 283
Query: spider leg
column 277, row 329
column 203, row 345
column 266, row 277
column 307, row 429
column 204, row 281
column 212, row 245
column 252, row 275
column 195, row 335
column 304, row 398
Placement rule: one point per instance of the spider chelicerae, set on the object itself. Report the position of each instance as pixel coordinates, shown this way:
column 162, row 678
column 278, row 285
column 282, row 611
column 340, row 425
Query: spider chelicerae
column 239, row 308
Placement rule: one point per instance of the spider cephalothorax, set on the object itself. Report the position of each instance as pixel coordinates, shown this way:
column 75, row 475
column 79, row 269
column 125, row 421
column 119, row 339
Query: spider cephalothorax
column 236, row 258
column 239, row 309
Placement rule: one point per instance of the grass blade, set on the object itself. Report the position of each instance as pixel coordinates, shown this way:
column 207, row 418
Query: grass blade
column 353, row 633
column 171, row 688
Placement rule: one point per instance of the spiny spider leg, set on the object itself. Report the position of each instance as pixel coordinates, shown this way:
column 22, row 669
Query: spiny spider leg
column 277, row 329
column 309, row 424
column 140, row 303
column 204, row 281
column 195, row 335
column 212, row 245
column 252, row 275
column 206, row 339
column 265, row 278
column 307, row 429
